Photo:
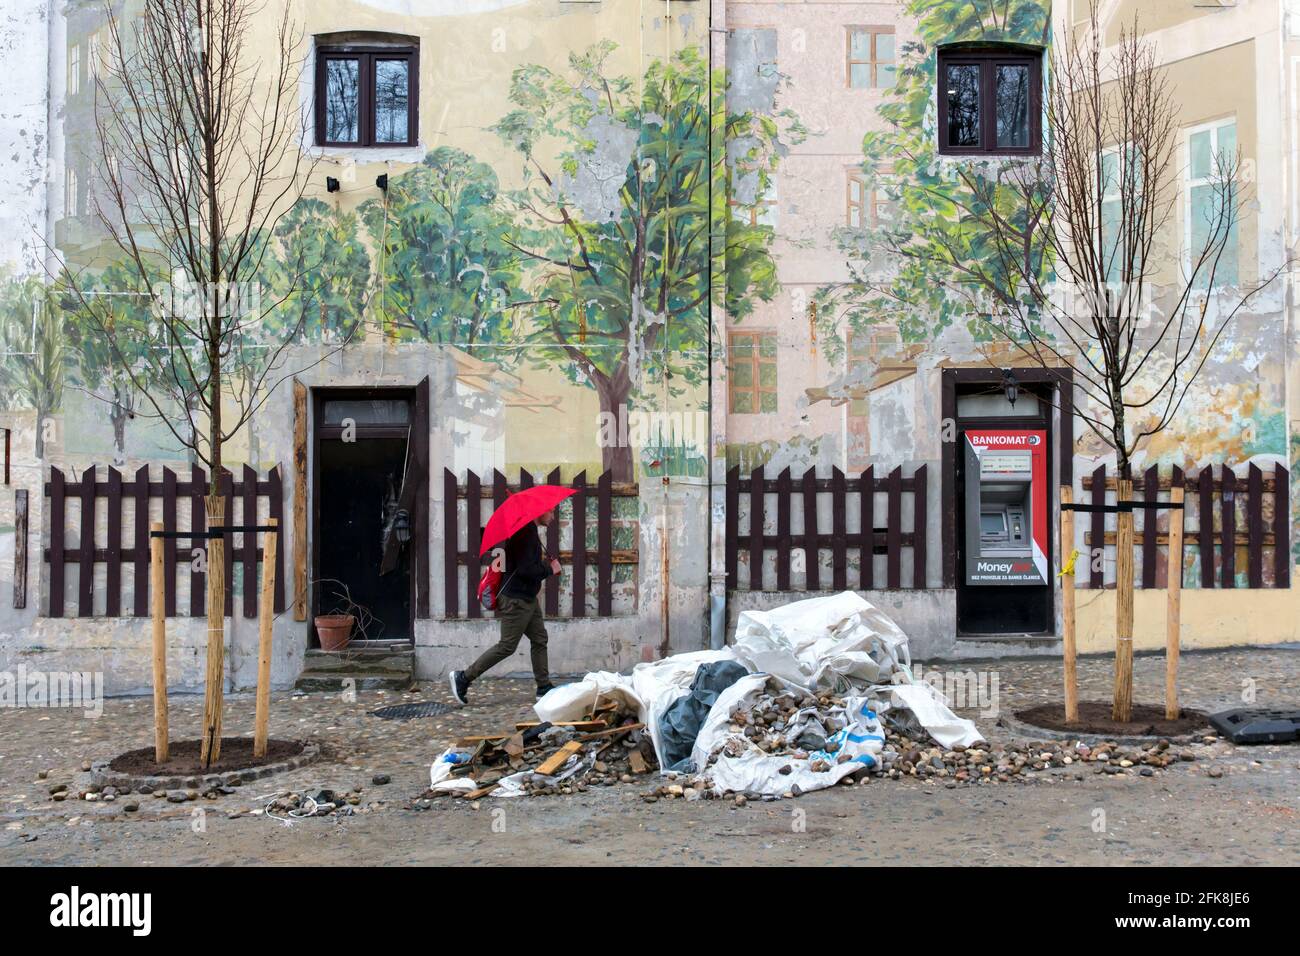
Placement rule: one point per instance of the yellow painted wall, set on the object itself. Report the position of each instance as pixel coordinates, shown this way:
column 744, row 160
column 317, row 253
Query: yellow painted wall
column 1210, row 618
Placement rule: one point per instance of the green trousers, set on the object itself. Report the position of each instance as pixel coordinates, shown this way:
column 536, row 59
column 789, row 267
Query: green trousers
column 518, row 617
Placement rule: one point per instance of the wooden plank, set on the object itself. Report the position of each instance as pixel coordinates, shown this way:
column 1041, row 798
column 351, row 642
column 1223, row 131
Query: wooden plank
column 1255, row 527
column 919, row 501
column 894, row 532
column 733, row 521
column 783, row 541
column 558, row 759
column 756, row 529
column 1173, row 606
column 839, row 557
column 578, row 726
column 480, row 792
column 1228, row 549
column 86, row 572
column 1069, row 649
column 1176, row 481
column 248, row 540
column 552, row 585
column 1097, row 564
column 141, row 541
column 1150, row 519
column 262, row 714
column 57, row 535
column 161, row 741
column 952, row 448
column 617, row 489
column 1189, row 482
column 21, row 520
column 1281, row 528
column 867, row 532
column 1206, row 532
column 525, row 479
column 473, row 542
column 1240, row 540
column 420, row 542
column 811, row 552
column 199, row 523
column 450, row 537
column 299, row 501
column 275, row 496
column 578, row 535
column 604, row 544
column 113, row 571
column 227, row 486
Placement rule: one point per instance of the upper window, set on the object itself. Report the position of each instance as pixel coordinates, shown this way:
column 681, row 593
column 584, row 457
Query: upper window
column 366, row 96
column 1211, row 162
column 989, row 101
column 870, row 57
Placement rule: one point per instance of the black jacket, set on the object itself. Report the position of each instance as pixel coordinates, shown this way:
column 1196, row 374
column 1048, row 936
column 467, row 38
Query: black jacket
column 525, row 570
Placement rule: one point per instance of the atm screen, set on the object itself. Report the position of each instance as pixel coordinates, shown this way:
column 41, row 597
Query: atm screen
column 993, row 526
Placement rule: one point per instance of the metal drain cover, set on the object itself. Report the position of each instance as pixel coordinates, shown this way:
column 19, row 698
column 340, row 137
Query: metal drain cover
column 412, row 711
column 1263, row 725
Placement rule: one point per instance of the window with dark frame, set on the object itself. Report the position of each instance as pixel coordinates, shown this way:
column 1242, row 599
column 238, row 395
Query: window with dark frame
column 990, row 101
column 367, row 96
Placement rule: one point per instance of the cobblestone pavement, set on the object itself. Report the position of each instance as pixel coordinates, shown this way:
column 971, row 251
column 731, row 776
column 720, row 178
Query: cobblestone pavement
column 1232, row 805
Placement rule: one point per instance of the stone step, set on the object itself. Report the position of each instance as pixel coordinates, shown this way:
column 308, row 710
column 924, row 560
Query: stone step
column 381, row 668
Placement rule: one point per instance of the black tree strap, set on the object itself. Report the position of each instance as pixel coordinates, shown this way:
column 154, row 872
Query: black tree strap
column 1119, row 506
column 216, row 531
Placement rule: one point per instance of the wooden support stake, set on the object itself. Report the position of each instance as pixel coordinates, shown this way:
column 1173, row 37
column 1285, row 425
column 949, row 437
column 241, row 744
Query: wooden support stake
column 265, row 613
column 161, row 743
column 214, row 691
column 1067, row 606
column 1122, row 706
column 1175, row 595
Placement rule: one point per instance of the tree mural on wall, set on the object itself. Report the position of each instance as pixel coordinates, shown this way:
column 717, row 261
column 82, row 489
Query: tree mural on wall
column 318, row 274
column 33, row 351
column 903, row 272
column 613, row 225
column 447, row 274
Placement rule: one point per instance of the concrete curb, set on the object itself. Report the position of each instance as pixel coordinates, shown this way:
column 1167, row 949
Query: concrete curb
column 1026, row 731
column 101, row 775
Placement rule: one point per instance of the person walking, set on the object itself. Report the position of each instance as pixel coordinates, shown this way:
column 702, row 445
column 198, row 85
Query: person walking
column 520, row 612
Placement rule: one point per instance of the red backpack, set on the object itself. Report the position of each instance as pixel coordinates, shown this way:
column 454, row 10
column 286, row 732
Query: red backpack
column 489, row 586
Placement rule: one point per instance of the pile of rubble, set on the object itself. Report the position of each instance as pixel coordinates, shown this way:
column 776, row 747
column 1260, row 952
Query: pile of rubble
column 287, row 805
column 539, row 758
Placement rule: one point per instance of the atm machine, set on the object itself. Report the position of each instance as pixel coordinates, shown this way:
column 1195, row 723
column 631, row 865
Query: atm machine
column 1006, row 519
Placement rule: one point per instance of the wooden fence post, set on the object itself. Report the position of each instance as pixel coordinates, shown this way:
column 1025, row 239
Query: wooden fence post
column 1067, row 605
column 1122, row 707
column 1175, row 592
column 214, row 691
column 265, row 614
column 161, row 743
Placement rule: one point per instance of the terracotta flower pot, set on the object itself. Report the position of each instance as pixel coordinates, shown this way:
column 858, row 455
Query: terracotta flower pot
column 335, row 630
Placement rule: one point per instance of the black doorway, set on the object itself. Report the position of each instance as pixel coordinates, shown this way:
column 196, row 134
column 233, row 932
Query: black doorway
column 363, row 453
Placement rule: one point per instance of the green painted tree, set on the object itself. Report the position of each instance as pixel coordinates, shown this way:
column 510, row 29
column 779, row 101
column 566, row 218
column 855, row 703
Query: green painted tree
column 34, row 351
column 448, row 273
column 932, row 264
column 318, row 273
column 613, row 224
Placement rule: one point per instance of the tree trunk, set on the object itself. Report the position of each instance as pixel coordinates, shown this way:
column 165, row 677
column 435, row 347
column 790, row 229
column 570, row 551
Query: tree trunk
column 213, row 698
column 118, row 416
column 616, row 456
column 1122, row 706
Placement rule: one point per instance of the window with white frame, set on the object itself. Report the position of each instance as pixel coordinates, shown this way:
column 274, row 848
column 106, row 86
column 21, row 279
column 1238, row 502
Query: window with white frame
column 1211, row 155
column 74, row 69
column 1121, row 211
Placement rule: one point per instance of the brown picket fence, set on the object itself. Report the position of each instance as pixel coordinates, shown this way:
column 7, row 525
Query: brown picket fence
column 481, row 498
column 1265, row 540
column 747, row 496
column 115, row 491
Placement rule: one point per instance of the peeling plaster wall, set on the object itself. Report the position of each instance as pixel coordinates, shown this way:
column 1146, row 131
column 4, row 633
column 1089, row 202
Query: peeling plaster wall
column 24, row 133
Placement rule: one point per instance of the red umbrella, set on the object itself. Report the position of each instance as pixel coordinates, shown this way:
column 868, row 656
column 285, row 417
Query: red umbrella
column 519, row 509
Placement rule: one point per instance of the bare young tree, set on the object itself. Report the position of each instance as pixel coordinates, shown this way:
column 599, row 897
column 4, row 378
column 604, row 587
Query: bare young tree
column 1085, row 267
column 200, row 136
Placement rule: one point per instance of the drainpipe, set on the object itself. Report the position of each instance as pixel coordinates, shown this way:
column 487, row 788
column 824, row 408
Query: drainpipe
column 717, row 340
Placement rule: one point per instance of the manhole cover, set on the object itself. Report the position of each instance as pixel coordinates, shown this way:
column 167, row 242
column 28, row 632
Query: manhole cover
column 411, row 711
column 1258, row 725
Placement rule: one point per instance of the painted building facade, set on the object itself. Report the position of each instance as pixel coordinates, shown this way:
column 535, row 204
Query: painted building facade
column 633, row 238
